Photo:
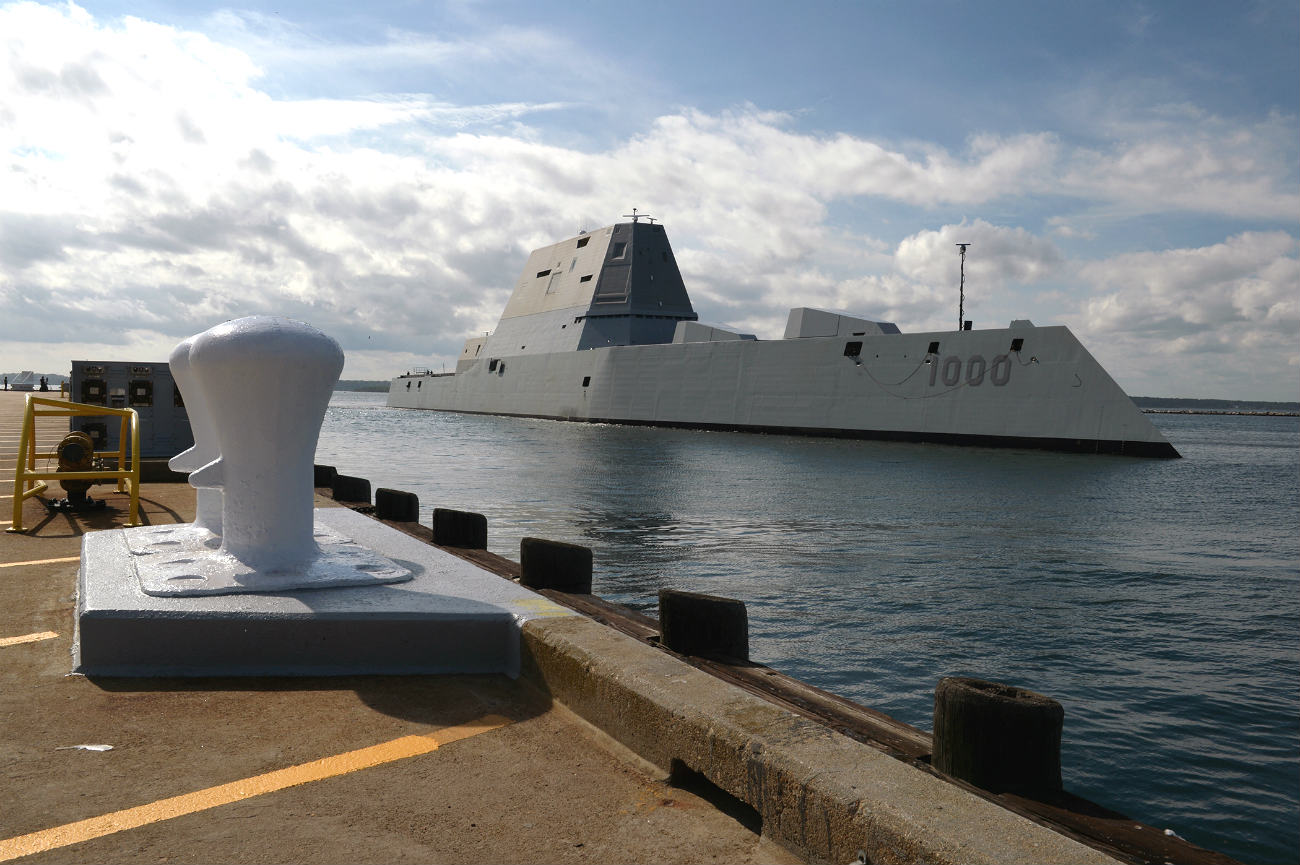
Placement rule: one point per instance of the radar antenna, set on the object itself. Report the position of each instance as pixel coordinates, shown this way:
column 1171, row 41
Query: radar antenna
column 961, row 290
column 638, row 216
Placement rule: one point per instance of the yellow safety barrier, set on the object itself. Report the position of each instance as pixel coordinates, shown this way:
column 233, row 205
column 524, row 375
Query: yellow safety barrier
column 29, row 482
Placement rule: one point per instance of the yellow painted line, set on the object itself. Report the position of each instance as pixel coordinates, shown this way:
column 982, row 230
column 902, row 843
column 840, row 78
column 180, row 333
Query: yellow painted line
column 236, row 791
column 40, row 562
column 27, row 638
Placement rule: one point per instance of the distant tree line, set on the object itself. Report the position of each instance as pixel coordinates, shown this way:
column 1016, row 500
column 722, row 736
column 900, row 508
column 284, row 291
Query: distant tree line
column 362, row 385
column 1165, row 402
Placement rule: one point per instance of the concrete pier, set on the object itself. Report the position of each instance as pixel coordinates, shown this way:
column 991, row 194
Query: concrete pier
column 606, row 748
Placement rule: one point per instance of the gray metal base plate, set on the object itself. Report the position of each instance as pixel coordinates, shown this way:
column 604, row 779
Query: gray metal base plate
column 175, row 561
column 449, row 617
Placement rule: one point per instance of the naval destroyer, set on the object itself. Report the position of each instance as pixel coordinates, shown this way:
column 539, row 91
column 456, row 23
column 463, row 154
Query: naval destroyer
column 600, row 329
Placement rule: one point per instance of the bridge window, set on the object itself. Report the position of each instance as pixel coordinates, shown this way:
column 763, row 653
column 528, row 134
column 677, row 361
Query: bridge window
column 617, row 250
column 852, row 349
column 582, row 241
column 542, row 273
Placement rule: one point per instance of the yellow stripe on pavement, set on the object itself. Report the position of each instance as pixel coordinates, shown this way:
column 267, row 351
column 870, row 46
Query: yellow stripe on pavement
column 225, row 794
column 27, row 638
column 40, row 562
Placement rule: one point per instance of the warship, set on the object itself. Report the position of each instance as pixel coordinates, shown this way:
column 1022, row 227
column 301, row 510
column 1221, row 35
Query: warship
column 600, row 329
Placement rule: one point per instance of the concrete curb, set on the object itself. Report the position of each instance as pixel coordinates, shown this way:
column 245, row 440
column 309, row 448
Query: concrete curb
column 820, row 794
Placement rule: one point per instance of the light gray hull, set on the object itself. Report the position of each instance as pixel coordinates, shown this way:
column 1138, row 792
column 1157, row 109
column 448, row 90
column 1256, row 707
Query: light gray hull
column 1051, row 393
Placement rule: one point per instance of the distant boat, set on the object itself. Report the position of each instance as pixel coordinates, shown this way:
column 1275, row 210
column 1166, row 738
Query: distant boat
column 600, row 329
column 25, row 380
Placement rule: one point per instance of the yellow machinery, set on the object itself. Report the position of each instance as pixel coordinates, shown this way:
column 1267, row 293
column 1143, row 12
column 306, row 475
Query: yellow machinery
column 76, row 458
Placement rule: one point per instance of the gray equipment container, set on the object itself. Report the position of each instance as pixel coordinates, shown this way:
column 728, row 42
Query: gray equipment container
column 146, row 387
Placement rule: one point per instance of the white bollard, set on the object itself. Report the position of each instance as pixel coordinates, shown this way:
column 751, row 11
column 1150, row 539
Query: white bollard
column 208, row 499
column 265, row 384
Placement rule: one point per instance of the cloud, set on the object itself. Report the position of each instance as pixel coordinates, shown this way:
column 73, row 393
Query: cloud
column 739, row 146
column 1248, row 279
column 998, row 255
column 152, row 185
column 1218, row 320
column 1187, row 161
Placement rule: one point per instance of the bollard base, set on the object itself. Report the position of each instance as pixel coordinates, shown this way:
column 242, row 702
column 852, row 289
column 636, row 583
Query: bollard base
column 450, row 617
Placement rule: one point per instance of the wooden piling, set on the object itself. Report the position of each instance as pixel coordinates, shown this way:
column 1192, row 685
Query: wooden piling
column 347, row 488
column 705, row 625
column 555, row 565
column 397, row 505
column 459, row 529
column 998, row 737
column 323, row 476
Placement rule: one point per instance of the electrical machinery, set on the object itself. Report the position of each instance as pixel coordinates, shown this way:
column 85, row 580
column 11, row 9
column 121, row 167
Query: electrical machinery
column 146, row 387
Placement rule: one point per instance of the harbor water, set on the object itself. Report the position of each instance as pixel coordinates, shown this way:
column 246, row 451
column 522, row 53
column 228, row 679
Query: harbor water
column 1157, row 600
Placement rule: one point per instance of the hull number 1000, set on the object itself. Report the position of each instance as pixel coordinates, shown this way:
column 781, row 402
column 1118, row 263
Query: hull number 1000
column 976, row 368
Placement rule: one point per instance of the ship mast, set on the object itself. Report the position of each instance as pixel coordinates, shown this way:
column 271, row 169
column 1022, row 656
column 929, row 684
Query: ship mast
column 961, row 290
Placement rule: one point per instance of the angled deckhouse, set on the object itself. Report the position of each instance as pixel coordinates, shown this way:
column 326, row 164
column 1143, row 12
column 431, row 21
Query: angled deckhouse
column 616, row 286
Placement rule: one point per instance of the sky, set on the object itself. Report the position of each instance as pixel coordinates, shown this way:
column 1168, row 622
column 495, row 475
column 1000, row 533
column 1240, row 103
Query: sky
column 381, row 170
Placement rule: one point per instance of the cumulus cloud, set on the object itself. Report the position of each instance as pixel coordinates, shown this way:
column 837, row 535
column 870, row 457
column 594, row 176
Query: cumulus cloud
column 1209, row 168
column 1205, row 320
column 1250, row 280
column 999, row 255
column 152, row 186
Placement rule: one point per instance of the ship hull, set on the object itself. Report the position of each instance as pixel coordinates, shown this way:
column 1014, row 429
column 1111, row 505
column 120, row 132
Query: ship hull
column 970, row 389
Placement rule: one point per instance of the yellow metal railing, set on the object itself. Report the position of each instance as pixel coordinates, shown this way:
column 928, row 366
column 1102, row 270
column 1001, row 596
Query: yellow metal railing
column 29, row 482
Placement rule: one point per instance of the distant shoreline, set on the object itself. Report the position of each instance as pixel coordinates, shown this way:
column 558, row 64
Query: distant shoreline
column 363, row 386
column 1180, row 405
column 1221, row 411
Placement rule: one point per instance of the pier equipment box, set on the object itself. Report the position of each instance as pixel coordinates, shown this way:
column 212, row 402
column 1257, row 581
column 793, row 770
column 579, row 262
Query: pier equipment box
column 146, row 387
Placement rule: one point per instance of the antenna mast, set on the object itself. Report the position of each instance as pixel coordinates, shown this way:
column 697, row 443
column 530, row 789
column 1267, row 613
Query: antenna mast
column 961, row 290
